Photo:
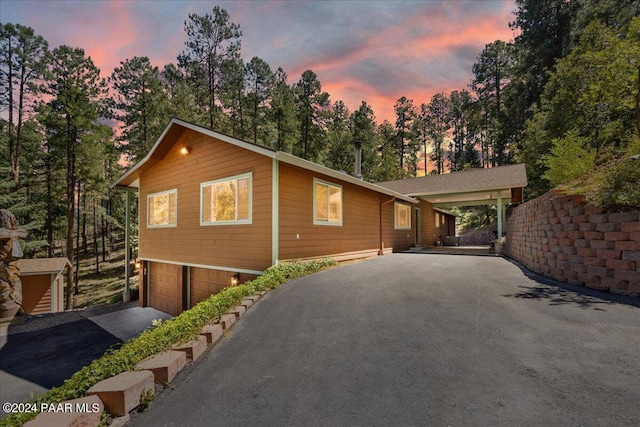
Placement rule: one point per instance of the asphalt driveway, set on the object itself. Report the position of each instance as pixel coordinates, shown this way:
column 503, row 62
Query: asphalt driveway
column 44, row 351
column 411, row 339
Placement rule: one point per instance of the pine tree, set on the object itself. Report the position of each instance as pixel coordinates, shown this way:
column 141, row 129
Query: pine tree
column 71, row 120
column 259, row 82
column 212, row 40
column 310, row 102
column 140, row 105
column 282, row 113
column 22, row 62
column 406, row 138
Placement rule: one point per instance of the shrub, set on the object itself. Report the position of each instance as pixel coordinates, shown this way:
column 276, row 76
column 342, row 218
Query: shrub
column 177, row 330
column 620, row 189
column 568, row 159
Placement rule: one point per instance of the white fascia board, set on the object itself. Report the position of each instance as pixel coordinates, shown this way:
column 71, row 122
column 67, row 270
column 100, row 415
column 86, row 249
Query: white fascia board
column 479, row 190
column 314, row 167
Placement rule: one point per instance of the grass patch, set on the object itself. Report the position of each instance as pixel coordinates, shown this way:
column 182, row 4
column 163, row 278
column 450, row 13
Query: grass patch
column 105, row 286
column 177, row 330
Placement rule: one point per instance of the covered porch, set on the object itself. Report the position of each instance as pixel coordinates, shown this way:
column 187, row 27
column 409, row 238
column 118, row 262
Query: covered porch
column 498, row 186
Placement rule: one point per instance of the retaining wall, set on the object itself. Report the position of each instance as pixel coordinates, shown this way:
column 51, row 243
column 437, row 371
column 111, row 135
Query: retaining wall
column 562, row 237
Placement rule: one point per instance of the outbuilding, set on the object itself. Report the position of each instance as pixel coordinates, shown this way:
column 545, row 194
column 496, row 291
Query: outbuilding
column 43, row 284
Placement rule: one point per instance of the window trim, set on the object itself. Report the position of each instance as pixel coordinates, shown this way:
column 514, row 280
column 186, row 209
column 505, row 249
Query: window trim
column 159, row 193
column 248, row 175
column 395, row 216
column 328, row 222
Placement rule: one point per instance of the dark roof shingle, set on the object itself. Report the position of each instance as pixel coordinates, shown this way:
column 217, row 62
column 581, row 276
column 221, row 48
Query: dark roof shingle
column 467, row 181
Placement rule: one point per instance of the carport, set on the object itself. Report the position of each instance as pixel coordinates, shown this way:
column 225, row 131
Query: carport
column 499, row 186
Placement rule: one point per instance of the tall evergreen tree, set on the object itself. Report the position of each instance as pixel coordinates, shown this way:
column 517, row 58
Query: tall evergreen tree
column 233, row 99
column 544, row 36
column 439, row 123
column 340, row 153
column 259, row 81
column 310, row 102
column 181, row 99
column 387, row 169
column 492, row 72
column 212, row 40
column 406, row 138
column 71, row 120
column 460, row 102
column 363, row 129
column 22, row 62
column 282, row 113
column 140, row 105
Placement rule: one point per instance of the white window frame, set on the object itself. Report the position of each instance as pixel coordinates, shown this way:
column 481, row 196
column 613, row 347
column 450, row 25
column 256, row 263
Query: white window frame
column 160, row 193
column 328, row 221
column 396, row 226
column 248, row 176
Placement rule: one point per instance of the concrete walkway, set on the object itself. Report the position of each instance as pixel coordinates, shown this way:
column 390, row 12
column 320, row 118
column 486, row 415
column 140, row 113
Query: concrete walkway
column 42, row 352
column 410, row 339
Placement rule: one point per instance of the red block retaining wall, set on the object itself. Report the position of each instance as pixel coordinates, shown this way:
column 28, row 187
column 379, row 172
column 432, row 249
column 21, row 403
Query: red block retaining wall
column 564, row 238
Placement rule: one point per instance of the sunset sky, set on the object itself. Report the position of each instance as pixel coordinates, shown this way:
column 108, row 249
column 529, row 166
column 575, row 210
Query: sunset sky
column 373, row 51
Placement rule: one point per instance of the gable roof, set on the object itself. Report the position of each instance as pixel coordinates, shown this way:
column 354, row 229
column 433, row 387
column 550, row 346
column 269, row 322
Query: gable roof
column 176, row 128
column 468, row 181
column 35, row 266
column 172, row 133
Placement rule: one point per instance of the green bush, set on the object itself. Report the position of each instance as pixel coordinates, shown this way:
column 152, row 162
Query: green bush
column 569, row 159
column 620, row 189
column 179, row 329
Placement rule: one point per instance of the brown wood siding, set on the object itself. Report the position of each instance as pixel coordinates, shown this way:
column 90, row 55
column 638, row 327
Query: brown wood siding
column 206, row 282
column 36, row 294
column 165, row 283
column 428, row 219
column 429, row 232
column 300, row 238
column 399, row 240
column 235, row 246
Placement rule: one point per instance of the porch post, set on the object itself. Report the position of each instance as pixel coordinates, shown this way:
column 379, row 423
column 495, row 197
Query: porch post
column 499, row 209
column 126, row 296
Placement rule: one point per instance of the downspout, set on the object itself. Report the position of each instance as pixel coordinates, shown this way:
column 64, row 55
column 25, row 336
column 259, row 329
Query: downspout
column 381, row 249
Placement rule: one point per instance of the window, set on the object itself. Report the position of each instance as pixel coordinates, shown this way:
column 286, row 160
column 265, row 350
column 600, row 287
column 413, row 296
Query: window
column 226, row 201
column 161, row 209
column 327, row 203
column 437, row 219
column 402, row 217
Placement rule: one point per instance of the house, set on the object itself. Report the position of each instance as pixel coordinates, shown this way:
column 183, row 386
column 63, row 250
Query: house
column 498, row 186
column 215, row 211
column 43, row 284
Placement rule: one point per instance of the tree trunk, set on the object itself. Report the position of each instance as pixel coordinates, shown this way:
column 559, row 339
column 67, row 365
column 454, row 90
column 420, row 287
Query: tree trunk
column 76, row 291
column 95, row 238
column 84, row 222
column 49, row 220
column 102, row 233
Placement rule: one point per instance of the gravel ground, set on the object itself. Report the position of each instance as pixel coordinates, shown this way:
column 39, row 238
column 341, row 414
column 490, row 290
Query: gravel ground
column 43, row 321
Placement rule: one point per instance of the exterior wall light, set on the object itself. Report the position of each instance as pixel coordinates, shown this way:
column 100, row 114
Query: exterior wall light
column 185, row 150
column 235, row 279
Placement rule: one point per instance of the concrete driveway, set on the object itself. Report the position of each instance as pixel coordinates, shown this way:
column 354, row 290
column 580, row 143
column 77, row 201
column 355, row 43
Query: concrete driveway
column 411, row 339
column 44, row 351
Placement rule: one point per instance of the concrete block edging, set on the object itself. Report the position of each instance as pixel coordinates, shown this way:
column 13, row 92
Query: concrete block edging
column 123, row 392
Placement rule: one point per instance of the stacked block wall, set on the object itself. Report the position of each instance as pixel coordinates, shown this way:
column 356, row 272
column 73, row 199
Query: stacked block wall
column 562, row 237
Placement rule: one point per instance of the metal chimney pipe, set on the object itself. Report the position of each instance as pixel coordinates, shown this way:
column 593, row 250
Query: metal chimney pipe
column 358, row 172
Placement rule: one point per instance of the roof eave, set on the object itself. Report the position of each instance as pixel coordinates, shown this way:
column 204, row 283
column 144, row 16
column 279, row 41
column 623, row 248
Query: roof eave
column 128, row 178
column 306, row 164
